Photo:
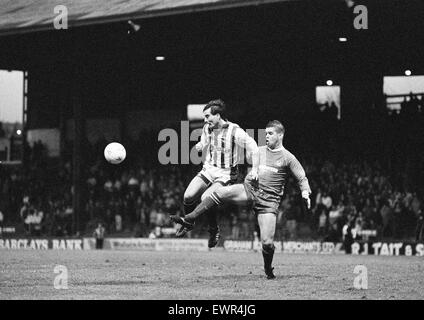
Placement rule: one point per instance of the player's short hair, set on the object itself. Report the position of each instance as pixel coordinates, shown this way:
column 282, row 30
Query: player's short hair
column 217, row 106
column 277, row 125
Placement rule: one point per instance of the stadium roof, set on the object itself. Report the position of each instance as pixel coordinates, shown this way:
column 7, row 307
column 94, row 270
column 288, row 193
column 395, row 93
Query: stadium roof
column 18, row 16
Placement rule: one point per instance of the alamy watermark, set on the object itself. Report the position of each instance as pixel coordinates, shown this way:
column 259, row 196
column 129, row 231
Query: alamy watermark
column 361, row 19
column 60, row 21
column 176, row 148
column 361, row 280
column 61, row 280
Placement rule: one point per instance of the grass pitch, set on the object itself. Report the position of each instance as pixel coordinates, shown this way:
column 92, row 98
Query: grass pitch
column 216, row 274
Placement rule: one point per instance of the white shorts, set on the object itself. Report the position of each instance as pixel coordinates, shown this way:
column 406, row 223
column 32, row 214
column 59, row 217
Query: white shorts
column 211, row 174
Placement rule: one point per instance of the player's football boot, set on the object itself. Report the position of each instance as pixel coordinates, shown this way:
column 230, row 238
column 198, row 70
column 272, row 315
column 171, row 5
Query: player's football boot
column 185, row 226
column 214, row 236
column 269, row 273
column 181, row 232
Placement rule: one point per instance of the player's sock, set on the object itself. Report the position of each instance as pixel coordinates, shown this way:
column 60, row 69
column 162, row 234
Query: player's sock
column 213, row 229
column 207, row 204
column 189, row 206
column 268, row 254
column 212, row 219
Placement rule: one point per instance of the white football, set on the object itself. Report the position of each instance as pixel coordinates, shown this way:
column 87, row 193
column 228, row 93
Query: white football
column 115, row 153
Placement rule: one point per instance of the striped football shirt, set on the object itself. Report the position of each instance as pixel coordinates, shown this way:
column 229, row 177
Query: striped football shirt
column 224, row 145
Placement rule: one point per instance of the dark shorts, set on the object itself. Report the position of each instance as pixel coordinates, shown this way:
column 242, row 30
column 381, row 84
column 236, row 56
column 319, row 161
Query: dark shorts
column 260, row 201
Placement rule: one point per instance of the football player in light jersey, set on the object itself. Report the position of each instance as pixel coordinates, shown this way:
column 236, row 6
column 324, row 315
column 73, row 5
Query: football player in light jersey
column 222, row 141
column 264, row 194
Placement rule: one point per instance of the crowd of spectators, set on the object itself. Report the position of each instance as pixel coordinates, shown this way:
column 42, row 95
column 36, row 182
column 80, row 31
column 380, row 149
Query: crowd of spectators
column 132, row 200
column 359, row 193
column 137, row 201
column 137, row 197
column 36, row 198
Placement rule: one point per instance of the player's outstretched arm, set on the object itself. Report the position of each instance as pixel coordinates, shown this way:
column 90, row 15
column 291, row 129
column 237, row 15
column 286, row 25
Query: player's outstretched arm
column 244, row 140
column 254, row 173
column 302, row 181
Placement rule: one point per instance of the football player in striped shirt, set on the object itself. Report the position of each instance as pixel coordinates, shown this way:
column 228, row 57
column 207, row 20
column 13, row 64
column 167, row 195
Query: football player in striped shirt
column 264, row 194
column 223, row 142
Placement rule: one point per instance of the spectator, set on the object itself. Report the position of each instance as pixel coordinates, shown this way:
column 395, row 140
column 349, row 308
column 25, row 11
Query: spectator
column 419, row 213
column 335, row 214
column 327, row 201
column 333, row 234
column 347, row 235
column 358, row 226
column 155, row 233
column 118, row 223
column 99, row 235
column 31, row 221
column 160, row 214
column 387, row 218
column 24, row 212
column 235, row 228
column 322, row 227
column 37, row 222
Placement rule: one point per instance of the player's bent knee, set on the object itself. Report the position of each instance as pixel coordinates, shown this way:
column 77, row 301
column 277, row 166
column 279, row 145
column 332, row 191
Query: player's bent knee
column 189, row 197
column 220, row 192
column 205, row 195
column 268, row 244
